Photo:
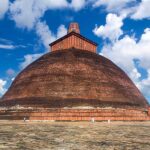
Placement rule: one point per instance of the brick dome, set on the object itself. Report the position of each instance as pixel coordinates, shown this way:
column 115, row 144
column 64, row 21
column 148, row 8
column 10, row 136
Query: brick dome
column 73, row 78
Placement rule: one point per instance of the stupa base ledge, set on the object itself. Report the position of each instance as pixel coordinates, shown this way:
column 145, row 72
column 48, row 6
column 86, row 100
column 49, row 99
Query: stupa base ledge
column 59, row 114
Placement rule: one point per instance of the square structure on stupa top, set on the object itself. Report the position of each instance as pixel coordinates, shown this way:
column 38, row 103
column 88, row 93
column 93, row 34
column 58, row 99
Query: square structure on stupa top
column 73, row 39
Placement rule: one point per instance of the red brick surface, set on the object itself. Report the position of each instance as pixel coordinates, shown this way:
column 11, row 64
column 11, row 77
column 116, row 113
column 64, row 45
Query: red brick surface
column 74, row 41
column 74, row 27
column 76, row 114
column 73, row 77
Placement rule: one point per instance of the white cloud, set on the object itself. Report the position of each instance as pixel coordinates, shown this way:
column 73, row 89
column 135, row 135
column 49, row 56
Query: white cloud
column 4, row 5
column 112, row 29
column 131, row 8
column 142, row 10
column 77, row 4
column 112, row 5
column 61, row 31
column 45, row 34
column 23, row 14
column 2, row 86
column 144, row 85
column 28, row 59
column 9, row 46
column 26, row 13
column 51, row 4
column 122, row 52
column 12, row 79
column 125, row 51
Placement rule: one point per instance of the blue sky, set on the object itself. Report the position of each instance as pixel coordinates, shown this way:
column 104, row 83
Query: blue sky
column 120, row 27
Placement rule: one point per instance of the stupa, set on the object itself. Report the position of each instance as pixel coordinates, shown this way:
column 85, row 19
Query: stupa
column 72, row 82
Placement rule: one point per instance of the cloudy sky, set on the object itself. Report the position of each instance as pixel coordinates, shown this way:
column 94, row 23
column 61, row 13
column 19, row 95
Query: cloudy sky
column 120, row 27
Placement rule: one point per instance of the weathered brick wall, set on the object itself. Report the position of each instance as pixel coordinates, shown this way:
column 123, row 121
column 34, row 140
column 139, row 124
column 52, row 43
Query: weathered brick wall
column 74, row 41
column 73, row 77
column 76, row 114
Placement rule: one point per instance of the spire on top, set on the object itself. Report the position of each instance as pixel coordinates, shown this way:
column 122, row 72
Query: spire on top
column 74, row 27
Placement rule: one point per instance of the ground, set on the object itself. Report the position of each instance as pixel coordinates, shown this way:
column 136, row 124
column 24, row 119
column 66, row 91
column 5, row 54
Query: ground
column 74, row 135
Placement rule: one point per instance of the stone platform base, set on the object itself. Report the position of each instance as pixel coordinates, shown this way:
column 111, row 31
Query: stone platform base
column 75, row 114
